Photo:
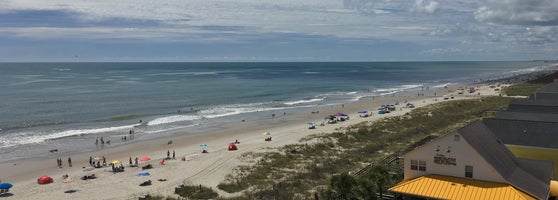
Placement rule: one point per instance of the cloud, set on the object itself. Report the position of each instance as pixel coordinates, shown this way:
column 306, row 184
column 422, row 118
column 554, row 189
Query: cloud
column 442, row 51
column 518, row 12
column 426, row 6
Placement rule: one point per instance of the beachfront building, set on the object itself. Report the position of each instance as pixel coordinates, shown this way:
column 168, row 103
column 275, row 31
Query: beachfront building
column 471, row 163
column 529, row 126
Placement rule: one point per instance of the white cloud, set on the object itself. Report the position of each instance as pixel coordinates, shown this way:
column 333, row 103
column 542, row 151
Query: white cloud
column 518, row 12
column 442, row 51
column 426, row 6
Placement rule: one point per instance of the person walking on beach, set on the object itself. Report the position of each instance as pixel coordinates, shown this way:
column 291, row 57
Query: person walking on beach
column 90, row 160
column 70, row 161
column 136, row 161
column 173, row 154
column 130, row 160
column 168, row 154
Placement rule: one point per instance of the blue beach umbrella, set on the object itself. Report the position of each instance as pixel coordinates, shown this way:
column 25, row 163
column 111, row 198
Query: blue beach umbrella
column 311, row 123
column 203, row 145
column 6, row 186
column 362, row 111
column 144, row 174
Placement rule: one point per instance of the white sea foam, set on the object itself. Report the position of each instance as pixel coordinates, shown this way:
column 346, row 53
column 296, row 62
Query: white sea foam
column 442, row 85
column 310, row 72
column 397, row 89
column 22, row 138
column 172, row 119
column 290, row 103
column 235, row 109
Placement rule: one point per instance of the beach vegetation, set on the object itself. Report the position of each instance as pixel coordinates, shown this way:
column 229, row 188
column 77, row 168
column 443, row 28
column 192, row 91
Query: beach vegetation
column 529, row 87
column 319, row 166
column 195, row 192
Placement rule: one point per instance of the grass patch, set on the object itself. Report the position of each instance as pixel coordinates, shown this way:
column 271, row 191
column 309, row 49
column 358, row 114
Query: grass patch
column 529, row 87
column 536, row 153
column 195, row 192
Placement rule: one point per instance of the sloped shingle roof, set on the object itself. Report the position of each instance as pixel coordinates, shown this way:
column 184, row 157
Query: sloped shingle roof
column 531, row 176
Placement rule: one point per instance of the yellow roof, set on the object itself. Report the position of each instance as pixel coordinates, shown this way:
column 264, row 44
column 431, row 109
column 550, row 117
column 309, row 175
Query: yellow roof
column 448, row 187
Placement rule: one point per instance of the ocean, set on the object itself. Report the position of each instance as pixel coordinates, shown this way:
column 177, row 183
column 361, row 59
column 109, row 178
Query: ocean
column 67, row 106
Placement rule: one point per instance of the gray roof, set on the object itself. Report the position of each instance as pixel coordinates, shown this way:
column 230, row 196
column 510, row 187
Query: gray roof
column 523, row 132
column 549, row 88
column 536, row 106
column 540, row 117
column 531, row 176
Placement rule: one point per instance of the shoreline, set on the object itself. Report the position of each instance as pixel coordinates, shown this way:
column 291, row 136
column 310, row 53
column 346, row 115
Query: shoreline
column 206, row 169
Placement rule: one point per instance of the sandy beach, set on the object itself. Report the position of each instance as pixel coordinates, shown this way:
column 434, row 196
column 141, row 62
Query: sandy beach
column 207, row 169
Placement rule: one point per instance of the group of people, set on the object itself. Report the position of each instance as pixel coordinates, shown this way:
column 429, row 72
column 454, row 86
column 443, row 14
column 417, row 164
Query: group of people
column 169, row 154
column 98, row 163
column 102, row 141
column 59, row 162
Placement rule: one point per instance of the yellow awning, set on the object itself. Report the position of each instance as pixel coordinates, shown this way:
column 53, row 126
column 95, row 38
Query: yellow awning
column 448, row 187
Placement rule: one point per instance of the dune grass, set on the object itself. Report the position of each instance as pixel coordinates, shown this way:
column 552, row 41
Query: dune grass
column 305, row 170
column 529, row 87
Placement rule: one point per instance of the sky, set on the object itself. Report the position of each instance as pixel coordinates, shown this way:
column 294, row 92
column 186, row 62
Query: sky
column 277, row 30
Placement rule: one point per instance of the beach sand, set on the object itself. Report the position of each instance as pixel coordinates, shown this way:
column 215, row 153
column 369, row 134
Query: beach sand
column 206, row 169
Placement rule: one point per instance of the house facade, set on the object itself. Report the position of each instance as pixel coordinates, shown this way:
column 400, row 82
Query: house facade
column 471, row 163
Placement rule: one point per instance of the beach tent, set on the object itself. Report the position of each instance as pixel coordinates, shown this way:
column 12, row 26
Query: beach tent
column 45, row 180
column 145, row 158
column 5, row 186
column 144, row 174
column 362, row 111
column 203, row 145
column 232, row 147
column 116, row 162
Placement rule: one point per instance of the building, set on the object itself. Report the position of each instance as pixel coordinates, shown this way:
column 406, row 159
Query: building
column 529, row 126
column 471, row 163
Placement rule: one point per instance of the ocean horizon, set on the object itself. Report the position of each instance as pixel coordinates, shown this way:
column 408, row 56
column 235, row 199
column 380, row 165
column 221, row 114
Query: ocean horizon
column 69, row 105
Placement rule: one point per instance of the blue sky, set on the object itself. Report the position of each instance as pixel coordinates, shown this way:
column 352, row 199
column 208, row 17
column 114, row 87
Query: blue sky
column 279, row 30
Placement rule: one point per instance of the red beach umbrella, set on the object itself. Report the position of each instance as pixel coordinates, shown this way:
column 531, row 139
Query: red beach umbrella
column 44, row 180
column 145, row 158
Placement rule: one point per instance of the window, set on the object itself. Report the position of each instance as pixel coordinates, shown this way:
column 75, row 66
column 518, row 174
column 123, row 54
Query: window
column 456, row 138
column 414, row 164
column 419, row 165
column 422, row 165
column 468, row 171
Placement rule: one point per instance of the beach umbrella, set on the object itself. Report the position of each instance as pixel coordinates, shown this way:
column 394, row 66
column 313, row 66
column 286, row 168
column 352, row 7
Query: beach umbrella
column 5, row 186
column 45, row 180
column 330, row 117
column 97, row 158
column 203, row 145
column 116, row 162
column 311, row 123
column 267, row 133
column 145, row 158
column 362, row 111
column 144, row 174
